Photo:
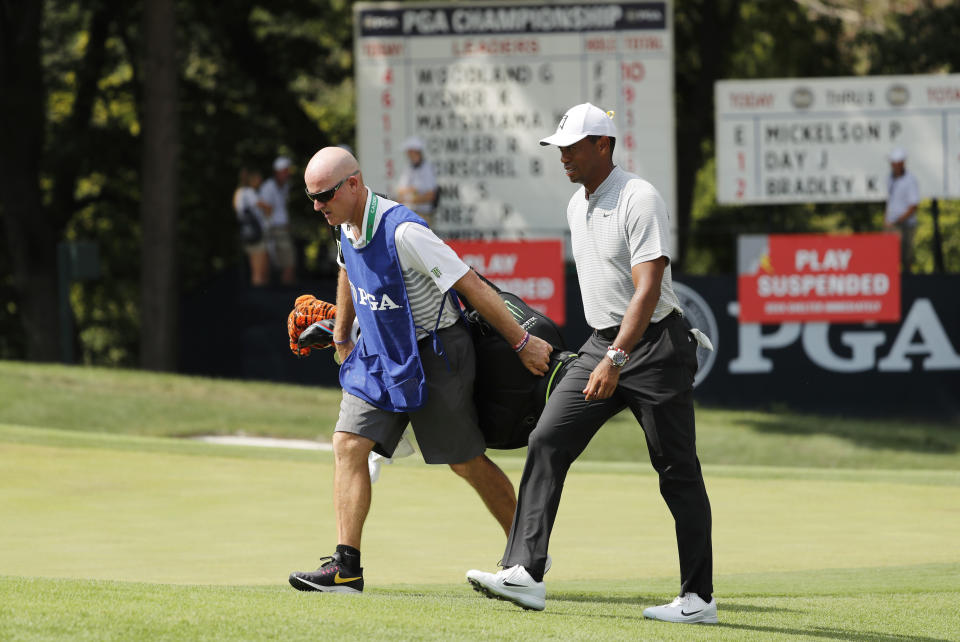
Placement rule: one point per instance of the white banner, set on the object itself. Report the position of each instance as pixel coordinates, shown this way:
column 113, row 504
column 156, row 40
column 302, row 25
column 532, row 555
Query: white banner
column 827, row 139
column 482, row 83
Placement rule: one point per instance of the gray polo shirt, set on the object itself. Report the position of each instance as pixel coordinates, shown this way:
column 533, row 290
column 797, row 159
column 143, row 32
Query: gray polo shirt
column 622, row 224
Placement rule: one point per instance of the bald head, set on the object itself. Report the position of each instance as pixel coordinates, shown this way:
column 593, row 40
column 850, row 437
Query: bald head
column 335, row 171
column 327, row 167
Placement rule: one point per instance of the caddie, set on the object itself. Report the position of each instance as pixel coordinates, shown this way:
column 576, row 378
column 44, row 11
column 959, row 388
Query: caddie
column 414, row 359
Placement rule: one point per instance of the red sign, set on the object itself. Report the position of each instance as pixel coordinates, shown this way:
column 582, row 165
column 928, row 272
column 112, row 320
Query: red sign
column 810, row 277
column 533, row 270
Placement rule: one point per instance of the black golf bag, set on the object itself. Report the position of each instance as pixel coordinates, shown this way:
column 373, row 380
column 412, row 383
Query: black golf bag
column 509, row 398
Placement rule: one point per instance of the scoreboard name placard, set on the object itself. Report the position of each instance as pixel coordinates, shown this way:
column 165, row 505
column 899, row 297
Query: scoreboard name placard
column 827, row 139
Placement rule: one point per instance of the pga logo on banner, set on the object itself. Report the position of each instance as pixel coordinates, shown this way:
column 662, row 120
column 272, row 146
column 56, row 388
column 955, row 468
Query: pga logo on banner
column 818, row 277
column 532, row 270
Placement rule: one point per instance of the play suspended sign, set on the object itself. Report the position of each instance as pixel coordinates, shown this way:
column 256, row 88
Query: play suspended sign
column 812, row 277
column 533, row 270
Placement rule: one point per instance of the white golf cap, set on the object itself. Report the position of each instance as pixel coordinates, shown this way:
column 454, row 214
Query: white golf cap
column 579, row 122
column 281, row 163
column 413, row 142
column 897, row 155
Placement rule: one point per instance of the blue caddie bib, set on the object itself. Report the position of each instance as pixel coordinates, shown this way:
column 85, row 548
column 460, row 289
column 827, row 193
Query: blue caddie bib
column 384, row 368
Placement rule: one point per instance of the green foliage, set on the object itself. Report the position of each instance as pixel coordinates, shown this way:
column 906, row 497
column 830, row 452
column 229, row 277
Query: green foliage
column 792, row 42
column 784, row 42
column 258, row 79
column 128, row 402
column 949, row 223
column 922, row 40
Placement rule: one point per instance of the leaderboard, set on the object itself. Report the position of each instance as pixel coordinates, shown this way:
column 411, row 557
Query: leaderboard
column 827, row 139
column 482, row 83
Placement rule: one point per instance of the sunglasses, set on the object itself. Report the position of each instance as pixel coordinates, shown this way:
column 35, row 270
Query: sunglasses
column 327, row 194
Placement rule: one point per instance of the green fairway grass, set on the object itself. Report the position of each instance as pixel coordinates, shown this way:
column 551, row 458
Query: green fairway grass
column 128, row 402
column 165, row 517
column 90, row 610
column 142, row 403
column 112, row 529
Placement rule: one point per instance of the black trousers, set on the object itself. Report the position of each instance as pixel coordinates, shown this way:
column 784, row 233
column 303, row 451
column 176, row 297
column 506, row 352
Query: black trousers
column 657, row 385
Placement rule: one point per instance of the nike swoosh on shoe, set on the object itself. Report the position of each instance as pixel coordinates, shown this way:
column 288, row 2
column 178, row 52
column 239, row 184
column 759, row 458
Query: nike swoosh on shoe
column 308, row 582
column 338, row 579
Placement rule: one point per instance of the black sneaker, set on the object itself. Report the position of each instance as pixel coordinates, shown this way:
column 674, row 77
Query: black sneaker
column 331, row 577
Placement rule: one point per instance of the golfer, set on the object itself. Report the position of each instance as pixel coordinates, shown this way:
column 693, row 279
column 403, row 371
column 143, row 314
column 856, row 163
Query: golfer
column 641, row 355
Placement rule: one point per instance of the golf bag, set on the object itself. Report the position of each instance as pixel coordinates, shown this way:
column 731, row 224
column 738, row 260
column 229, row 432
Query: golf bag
column 509, row 398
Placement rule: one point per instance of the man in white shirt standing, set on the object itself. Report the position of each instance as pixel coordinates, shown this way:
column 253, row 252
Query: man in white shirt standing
column 641, row 355
column 274, row 193
column 903, row 196
column 417, row 185
column 414, row 361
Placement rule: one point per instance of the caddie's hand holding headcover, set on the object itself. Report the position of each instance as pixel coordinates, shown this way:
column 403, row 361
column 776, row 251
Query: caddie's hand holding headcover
column 310, row 325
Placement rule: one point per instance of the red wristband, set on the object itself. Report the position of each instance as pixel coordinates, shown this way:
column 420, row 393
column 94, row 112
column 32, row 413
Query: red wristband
column 523, row 342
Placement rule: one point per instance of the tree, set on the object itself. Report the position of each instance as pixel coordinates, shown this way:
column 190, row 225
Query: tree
column 158, row 175
column 253, row 80
column 756, row 42
column 45, row 144
column 30, row 233
column 805, row 38
column 89, row 132
column 704, row 42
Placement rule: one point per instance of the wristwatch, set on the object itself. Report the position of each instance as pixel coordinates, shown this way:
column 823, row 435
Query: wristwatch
column 618, row 357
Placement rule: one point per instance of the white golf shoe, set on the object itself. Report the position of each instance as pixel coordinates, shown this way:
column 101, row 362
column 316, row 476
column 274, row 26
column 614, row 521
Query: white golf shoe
column 512, row 584
column 687, row 608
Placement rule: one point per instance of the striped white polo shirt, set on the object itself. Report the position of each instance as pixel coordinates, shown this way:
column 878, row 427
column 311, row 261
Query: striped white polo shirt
column 429, row 266
column 623, row 223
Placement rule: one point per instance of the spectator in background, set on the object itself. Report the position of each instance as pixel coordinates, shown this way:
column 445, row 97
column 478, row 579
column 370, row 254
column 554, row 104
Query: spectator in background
column 249, row 209
column 903, row 196
column 274, row 193
column 417, row 186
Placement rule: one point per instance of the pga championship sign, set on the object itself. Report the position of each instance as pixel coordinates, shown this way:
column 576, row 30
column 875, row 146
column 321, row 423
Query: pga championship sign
column 909, row 367
column 806, row 140
column 481, row 83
